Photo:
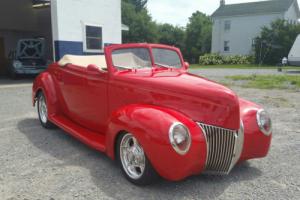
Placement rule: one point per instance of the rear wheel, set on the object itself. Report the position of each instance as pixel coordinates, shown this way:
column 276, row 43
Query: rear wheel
column 133, row 161
column 43, row 111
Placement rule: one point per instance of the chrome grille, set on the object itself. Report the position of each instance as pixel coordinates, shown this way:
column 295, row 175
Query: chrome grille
column 222, row 149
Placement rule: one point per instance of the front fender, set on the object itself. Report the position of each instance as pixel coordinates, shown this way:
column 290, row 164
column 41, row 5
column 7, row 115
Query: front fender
column 256, row 144
column 150, row 125
column 45, row 83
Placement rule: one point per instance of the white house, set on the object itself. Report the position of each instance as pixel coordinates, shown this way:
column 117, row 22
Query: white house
column 235, row 26
column 68, row 26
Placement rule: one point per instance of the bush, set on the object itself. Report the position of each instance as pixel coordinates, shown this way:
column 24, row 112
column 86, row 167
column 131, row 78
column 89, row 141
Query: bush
column 217, row 59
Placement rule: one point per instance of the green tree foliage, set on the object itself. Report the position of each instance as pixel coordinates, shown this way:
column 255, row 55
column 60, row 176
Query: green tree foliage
column 198, row 36
column 138, row 4
column 141, row 26
column 171, row 35
column 194, row 41
column 275, row 42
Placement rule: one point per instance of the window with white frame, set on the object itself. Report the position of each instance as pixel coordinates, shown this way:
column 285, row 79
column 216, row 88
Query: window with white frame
column 93, row 40
column 226, row 46
column 227, row 25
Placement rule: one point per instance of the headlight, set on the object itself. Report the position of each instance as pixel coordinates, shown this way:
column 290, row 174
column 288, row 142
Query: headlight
column 180, row 138
column 17, row 64
column 264, row 122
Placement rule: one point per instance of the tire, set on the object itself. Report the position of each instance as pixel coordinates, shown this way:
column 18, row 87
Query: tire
column 42, row 110
column 129, row 150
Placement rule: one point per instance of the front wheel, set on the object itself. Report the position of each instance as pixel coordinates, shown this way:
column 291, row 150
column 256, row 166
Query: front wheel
column 43, row 111
column 134, row 164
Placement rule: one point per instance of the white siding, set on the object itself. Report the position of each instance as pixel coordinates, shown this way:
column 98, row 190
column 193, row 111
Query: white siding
column 294, row 55
column 291, row 14
column 243, row 30
column 69, row 15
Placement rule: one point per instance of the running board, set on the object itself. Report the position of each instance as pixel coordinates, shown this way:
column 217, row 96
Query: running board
column 90, row 138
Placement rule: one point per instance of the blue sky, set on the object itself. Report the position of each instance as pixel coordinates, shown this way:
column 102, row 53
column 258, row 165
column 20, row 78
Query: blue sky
column 177, row 12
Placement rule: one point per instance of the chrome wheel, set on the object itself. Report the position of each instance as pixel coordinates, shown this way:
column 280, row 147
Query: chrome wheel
column 132, row 156
column 43, row 112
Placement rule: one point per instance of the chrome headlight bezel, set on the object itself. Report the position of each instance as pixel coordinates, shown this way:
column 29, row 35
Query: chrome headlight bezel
column 17, row 64
column 260, row 123
column 186, row 135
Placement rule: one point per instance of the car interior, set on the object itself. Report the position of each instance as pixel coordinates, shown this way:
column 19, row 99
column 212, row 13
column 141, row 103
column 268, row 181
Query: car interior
column 84, row 61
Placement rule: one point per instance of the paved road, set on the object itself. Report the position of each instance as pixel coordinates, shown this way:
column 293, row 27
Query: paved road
column 221, row 73
column 48, row 164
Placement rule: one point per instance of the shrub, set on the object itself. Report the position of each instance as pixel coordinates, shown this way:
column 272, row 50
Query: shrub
column 217, row 59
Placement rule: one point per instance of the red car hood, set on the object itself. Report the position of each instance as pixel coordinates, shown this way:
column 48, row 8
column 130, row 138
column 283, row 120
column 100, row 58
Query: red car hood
column 198, row 98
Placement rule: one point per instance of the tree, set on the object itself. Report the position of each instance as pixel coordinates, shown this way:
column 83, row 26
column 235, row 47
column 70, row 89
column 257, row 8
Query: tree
column 275, row 41
column 198, row 36
column 171, row 35
column 141, row 26
column 138, row 4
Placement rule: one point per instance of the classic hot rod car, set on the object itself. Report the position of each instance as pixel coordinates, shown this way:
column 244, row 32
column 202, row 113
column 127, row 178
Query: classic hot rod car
column 139, row 105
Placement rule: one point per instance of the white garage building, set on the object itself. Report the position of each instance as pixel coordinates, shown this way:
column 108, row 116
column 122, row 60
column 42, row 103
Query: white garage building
column 68, row 26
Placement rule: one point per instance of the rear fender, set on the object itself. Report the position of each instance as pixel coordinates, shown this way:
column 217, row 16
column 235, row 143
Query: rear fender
column 150, row 125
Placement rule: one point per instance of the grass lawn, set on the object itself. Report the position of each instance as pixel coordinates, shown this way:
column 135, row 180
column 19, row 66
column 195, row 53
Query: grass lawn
column 250, row 66
column 267, row 81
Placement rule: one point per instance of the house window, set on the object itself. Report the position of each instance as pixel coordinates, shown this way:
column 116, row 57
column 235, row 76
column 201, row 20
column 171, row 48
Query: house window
column 93, row 41
column 227, row 25
column 226, row 46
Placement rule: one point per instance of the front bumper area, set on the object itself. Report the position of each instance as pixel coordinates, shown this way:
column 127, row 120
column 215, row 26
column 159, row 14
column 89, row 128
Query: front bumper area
column 32, row 71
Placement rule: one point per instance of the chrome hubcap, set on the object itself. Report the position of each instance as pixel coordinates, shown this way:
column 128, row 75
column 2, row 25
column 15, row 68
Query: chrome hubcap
column 43, row 109
column 132, row 156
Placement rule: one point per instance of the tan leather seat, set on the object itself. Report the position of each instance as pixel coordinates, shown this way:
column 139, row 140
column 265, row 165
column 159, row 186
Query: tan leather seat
column 84, row 61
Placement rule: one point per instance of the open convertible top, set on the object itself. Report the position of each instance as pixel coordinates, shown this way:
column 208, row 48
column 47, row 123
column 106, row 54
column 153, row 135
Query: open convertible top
column 99, row 60
column 84, row 61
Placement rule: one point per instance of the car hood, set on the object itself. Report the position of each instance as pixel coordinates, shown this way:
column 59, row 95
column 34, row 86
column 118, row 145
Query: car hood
column 198, row 98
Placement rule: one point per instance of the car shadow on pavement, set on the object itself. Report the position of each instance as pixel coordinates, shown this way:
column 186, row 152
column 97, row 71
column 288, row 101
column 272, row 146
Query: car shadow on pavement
column 108, row 179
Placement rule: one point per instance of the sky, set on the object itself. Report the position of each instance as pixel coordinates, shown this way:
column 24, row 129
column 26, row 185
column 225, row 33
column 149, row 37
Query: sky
column 177, row 12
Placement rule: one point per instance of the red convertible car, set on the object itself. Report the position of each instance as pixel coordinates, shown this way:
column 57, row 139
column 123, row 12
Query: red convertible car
column 139, row 105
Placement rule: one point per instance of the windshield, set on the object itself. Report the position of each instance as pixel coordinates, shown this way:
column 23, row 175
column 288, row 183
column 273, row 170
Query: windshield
column 166, row 58
column 131, row 58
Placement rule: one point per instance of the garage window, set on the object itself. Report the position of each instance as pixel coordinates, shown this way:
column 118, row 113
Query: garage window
column 93, row 40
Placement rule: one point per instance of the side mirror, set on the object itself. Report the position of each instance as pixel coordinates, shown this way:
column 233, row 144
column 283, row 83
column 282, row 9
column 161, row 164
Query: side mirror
column 93, row 68
column 186, row 65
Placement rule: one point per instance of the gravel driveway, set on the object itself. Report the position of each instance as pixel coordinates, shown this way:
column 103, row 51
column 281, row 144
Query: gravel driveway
column 48, row 164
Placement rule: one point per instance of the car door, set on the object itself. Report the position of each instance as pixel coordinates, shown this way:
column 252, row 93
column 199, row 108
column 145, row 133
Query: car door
column 74, row 93
column 97, row 95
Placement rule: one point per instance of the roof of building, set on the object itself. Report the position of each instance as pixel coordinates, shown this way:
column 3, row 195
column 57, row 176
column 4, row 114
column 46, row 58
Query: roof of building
column 254, row 8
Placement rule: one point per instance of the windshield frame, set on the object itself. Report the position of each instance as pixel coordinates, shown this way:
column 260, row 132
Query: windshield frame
column 159, row 65
column 110, row 49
